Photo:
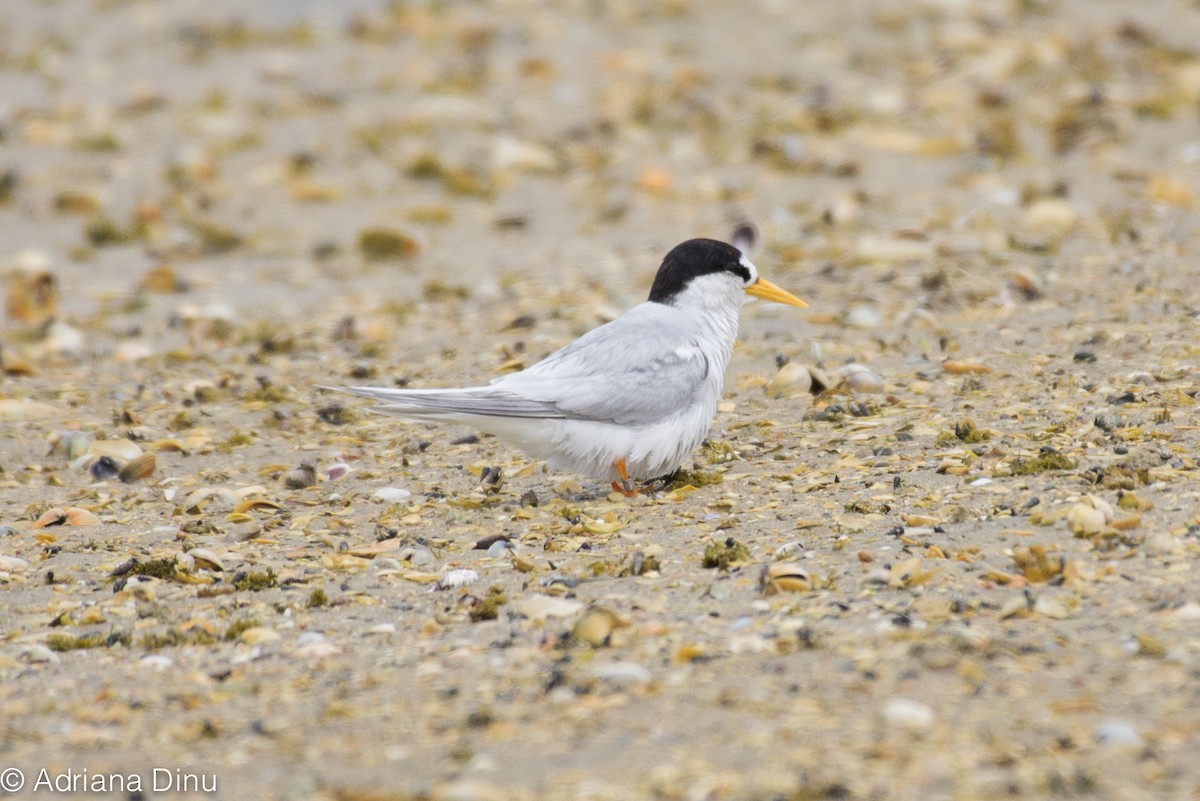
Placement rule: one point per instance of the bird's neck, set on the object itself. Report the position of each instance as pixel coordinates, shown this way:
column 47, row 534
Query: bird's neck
column 719, row 323
column 714, row 301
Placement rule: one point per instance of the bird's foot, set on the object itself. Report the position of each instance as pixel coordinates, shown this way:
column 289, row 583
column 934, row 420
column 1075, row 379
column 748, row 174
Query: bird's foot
column 624, row 486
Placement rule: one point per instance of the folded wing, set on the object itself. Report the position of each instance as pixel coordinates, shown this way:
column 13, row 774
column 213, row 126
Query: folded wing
column 487, row 401
column 638, row 369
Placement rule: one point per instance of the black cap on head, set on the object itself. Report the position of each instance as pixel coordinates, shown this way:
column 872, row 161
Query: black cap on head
column 690, row 259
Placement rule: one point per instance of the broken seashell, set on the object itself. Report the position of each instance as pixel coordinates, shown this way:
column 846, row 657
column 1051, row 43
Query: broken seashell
column 958, row 367
column 81, row 517
column 18, row 410
column 375, row 549
column 72, row 443
column 195, row 502
column 255, row 503
column 1085, row 519
column 336, row 471
column 859, row 380
column 1102, row 505
column 908, row 573
column 185, row 562
column 11, row 564
column 907, row 714
column 162, row 279
column 156, row 662
column 63, row 339
column 1026, row 283
column 301, row 477
column 130, row 351
column 32, row 292
column 1092, row 515
column 313, row 645
column 522, row 563
column 863, row 317
column 789, row 549
column 1049, row 218
column 205, row 559
column 784, row 577
column 138, row 469
column 120, row 450
column 622, row 675
column 513, row 154
column 597, row 625
column 790, row 381
column 259, row 635
column 343, row 561
column 1051, row 607
column 390, row 494
column 608, row 524
column 1036, row 564
column 71, row 516
column 540, row 607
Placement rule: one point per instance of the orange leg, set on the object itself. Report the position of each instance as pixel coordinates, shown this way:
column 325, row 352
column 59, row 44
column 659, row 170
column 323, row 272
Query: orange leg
column 623, row 486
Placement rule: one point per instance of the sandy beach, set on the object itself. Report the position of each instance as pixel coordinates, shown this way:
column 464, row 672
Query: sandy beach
column 939, row 544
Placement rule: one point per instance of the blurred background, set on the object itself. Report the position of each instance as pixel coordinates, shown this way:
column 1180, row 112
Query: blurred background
column 280, row 144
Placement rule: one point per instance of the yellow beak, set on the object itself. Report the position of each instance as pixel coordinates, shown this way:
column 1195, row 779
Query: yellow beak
column 762, row 288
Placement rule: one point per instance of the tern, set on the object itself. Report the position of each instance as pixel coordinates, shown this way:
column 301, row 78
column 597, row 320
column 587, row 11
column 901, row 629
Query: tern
column 629, row 400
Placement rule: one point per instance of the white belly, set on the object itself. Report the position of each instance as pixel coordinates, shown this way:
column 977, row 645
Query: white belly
column 592, row 448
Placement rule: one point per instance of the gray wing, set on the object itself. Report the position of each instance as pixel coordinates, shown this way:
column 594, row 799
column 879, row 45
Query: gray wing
column 489, row 401
column 637, row 369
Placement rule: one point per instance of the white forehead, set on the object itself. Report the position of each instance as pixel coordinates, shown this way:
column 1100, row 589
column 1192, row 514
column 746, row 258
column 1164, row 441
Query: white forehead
column 749, row 265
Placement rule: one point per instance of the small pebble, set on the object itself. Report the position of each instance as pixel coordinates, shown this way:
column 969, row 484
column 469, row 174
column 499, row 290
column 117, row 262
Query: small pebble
column 390, row 494
column 303, row 476
column 37, row 654
column 863, row 317
column 1118, row 732
column 421, row 557
column 309, row 637
column 315, row 645
column 156, row 662
column 259, row 635
column 622, row 675
column 130, row 351
column 540, row 607
column 12, row 564
column 878, row 576
column 63, row 340
column 907, row 714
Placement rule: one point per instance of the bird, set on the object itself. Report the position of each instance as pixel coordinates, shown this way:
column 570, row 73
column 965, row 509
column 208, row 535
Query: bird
column 627, row 401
